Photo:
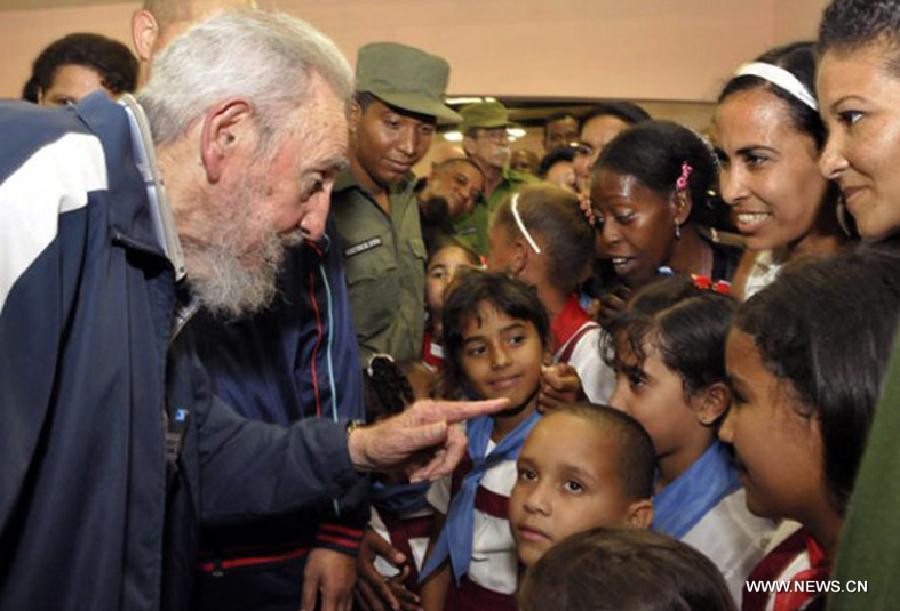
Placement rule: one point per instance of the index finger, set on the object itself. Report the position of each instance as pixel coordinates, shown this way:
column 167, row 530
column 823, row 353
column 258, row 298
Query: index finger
column 445, row 459
column 456, row 411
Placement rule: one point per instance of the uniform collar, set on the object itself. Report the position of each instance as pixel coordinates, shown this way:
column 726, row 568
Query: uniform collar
column 679, row 506
column 347, row 180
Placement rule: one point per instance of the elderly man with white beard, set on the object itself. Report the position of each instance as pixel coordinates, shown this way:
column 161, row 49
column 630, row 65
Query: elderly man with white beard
column 117, row 220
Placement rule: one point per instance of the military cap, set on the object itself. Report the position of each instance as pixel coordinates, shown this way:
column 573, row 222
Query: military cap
column 405, row 77
column 486, row 115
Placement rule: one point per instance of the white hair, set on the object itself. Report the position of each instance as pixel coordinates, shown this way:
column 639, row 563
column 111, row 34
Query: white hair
column 264, row 57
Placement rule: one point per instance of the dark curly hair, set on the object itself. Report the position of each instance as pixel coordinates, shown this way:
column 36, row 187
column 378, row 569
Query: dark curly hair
column 686, row 324
column 827, row 327
column 851, row 24
column 386, row 387
column 562, row 153
column 508, row 295
column 613, row 569
column 112, row 60
column 654, row 151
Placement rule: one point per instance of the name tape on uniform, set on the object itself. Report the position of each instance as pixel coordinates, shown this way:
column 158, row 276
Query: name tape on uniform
column 362, row 246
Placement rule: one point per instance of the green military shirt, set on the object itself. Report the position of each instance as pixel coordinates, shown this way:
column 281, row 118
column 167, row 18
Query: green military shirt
column 384, row 260
column 869, row 549
column 472, row 229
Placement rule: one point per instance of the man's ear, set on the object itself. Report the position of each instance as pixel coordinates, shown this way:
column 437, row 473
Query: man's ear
column 144, row 32
column 711, row 402
column 225, row 127
column 640, row 514
column 356, row 116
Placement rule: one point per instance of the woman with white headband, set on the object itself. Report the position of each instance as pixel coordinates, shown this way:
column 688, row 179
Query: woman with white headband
column 769, row 138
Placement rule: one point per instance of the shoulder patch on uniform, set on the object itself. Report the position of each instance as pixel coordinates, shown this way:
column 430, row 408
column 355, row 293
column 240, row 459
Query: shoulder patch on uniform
column 363, row 246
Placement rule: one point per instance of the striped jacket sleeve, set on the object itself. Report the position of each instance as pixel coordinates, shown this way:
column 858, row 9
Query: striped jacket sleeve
column 45, row 194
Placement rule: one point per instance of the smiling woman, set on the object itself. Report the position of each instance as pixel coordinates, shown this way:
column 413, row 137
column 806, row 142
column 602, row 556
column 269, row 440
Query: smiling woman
column 859, row 89
column 769, row 139
column 859, row 95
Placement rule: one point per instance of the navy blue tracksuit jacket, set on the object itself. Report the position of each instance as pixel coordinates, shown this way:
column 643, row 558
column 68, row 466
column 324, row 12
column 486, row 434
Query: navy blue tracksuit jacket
column 89, row 374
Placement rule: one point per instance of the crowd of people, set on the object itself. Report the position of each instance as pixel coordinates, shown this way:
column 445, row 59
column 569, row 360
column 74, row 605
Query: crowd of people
column 249, row 360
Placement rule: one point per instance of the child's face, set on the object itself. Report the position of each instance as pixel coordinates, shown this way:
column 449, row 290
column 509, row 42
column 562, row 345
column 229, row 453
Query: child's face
column 653, row 394
column 501, row 356
column 442, row 269
column 778, row 449
column 569, row 482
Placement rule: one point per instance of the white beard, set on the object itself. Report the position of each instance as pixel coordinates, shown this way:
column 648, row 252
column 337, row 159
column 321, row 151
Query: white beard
column 229, row 274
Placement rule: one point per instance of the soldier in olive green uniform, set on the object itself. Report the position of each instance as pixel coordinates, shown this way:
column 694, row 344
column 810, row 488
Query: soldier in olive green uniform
column 486, row 142
column 392, row 119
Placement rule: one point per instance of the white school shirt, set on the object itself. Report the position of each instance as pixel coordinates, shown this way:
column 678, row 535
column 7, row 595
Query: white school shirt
column 418, row 545
column 801, row 561
column 598, row 380
column 766, row 267
column 733, row 538
column 494, row 564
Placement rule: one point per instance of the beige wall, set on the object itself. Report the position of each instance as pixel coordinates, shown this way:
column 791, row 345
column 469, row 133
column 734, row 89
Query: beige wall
column 646, row 49
column 797, row 20
column 670, row 49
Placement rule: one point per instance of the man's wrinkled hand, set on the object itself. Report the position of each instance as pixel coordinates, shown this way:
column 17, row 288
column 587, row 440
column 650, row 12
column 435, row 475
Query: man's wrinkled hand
column 422, row 441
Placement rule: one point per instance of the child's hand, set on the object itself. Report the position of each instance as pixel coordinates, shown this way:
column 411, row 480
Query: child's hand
column 560, row 385
column 328, row 578
column 373, row 591
column 612, row 304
